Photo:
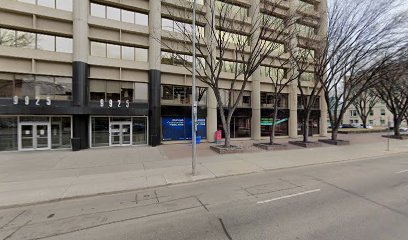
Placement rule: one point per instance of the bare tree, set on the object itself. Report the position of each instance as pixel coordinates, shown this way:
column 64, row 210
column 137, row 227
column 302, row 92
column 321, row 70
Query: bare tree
column 393, row 90
column 362, row 36
column 364, row 105
column 233, row 38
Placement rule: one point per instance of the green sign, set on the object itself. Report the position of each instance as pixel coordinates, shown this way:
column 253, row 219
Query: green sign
column 269, row 121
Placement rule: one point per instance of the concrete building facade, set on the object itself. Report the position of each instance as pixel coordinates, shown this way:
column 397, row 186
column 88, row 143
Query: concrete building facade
column 95, row 71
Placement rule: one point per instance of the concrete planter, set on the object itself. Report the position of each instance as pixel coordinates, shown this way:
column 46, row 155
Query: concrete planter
column 306, row 144
column 269, row 147
column 335, row 142
column 401, row 137
column 220, row 149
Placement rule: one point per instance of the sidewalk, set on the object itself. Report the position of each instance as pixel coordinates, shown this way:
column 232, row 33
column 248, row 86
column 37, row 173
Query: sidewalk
column 30, row 177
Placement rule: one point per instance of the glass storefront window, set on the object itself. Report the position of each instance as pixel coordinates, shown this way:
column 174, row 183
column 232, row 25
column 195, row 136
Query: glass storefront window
column 60, row 132
column 100, row 131
column 139, row 130
column 8, row 134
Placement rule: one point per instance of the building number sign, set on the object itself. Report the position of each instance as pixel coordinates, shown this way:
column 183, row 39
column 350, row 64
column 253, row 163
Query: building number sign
column 37, row 102
column 111, row 104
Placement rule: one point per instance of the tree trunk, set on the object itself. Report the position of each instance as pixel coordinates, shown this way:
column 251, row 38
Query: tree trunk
column 364, row 120
column 335, row 132
column 306, row 127
column 397, row 124
column 275, row 116
column 227, row 143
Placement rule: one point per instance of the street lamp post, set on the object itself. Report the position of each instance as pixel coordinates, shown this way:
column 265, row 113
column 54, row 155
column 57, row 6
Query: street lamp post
column 193, row 96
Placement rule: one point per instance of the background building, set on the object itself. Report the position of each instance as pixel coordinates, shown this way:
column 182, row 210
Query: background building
column 95, row 70
column 379, row 117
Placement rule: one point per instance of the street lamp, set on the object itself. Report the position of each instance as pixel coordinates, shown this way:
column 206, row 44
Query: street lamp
column 193, row 93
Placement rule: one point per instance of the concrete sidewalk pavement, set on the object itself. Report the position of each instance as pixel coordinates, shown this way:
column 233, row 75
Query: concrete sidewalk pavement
column 32, row 177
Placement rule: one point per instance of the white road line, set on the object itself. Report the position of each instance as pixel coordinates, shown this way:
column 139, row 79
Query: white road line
column 288, row 196
column 403, row 171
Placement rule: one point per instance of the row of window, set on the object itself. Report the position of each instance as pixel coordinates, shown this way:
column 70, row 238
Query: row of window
column 235, row 11
column 35, row 86
column 106, row 50
column 180, row 27
column 118, row 14
column 267, row 100
column 173, row 94
column 305, row 30
column 39, row 41
column 181, row 60
column 245, row 101
column 273, row 72
column 354, row 113
column 57, row 4
column 118, row 90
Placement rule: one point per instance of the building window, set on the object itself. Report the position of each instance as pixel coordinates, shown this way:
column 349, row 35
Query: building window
column 118, row 14
column 179, row 59
column 22, row 85
column 371, row 122
column 65, row 5
column 371, row 113
column 13, row 38
column 382, row 112
column 353, row 113
column 180, row 95
column 267, row 100
column 180, row 27
column 118, row 90
column 104, row 50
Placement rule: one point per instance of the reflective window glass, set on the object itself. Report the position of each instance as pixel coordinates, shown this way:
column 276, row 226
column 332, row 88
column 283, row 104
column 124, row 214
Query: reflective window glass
column 63, row 44
column 60, row 132
column 141, row 91
column 8, row 134
column 139, row 130
column 167, row 24
column 128, row 53
column 97, row 89
column 46, row 3
column 63, row 88
column 6, row 85
column 98, row 10
column 113, row 51
column 98, row 49
column 128, row 16
column 7, row 37
column 113, row 13
column 25, row 40
column 141, row 54
column 45, row 42
column 64, row 5
column 141, row 19
column 27, row 1
column 44, row 87
column 100, row 131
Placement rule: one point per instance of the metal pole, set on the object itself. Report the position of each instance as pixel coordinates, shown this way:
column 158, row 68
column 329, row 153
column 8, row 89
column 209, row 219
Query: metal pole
column 193, row 93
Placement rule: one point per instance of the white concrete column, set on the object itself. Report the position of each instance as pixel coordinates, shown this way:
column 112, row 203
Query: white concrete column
column 256, row 79
column 322, row 33
column 211, row 115
column 80, row 30
column 155, row 35
column 293, row 111
column 211, row 99
column 293, row 88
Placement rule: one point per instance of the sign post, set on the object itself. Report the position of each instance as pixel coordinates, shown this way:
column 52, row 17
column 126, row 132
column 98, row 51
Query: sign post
column 193, row 96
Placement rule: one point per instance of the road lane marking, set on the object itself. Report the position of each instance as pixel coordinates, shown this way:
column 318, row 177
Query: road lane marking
column 288, row 196
column 403, row 171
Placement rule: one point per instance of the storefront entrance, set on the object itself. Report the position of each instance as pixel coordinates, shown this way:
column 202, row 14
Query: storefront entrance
column 120, row 133
column 34, row 136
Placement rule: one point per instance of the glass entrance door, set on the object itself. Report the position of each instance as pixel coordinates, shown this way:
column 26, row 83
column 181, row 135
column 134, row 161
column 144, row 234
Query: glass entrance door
column 120, row 133
column 34, row 136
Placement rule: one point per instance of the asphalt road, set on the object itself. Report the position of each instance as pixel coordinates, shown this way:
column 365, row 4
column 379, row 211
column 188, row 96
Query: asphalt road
column 357, row 200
